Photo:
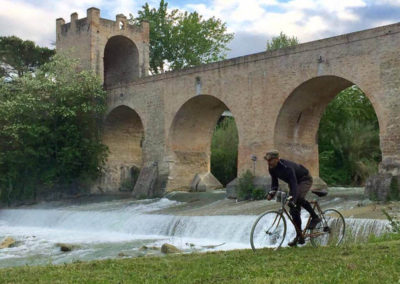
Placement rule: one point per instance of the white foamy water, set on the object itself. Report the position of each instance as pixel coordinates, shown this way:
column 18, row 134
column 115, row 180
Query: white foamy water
column 103, row 230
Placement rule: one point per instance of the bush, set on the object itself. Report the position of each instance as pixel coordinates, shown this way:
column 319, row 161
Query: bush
column 258, row 193
column 244, row 188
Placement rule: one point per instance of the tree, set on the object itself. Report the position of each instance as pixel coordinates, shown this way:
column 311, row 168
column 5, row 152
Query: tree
column 281, row 41
column 348, row 139
column 182, row 39
column 50, row 129
column 224, row 150
column 18, row 56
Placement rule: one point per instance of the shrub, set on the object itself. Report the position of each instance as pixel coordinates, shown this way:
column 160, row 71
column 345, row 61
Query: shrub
column 244, row 188
column 258, row 193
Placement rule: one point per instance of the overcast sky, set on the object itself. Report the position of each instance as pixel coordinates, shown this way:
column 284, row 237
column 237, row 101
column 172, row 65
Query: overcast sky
column 253, row 21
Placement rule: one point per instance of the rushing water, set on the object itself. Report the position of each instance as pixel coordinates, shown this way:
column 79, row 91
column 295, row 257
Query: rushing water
column 122, row 228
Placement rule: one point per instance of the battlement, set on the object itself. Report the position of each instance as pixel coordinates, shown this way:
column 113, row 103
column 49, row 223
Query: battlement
column 93, row 17
column 102, row 44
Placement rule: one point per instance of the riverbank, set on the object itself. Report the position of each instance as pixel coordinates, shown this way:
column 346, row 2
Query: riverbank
column 366, row 263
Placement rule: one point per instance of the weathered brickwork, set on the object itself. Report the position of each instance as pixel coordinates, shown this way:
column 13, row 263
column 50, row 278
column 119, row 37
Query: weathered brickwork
column 277, row 99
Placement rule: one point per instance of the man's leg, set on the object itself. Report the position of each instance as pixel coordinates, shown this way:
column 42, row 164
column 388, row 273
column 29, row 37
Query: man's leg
column 303, row 188
column 295, row 213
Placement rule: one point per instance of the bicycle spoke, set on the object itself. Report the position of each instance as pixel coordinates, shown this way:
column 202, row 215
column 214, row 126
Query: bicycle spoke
column 330, row 231
column 269, row 230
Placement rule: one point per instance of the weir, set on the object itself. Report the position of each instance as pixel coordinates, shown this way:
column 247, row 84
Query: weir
column 102, row 230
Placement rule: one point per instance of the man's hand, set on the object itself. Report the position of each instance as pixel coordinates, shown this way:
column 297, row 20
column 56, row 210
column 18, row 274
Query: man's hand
column 270, row 194
column 291, row 202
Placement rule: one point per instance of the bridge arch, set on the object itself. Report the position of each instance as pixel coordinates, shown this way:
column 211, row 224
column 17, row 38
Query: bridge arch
column 121, row 61
column 123, row 134
column 189, row 139
column 297, row 124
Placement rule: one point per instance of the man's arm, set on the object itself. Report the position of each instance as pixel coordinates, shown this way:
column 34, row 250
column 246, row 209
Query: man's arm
column 292, row 184
column 274, row 186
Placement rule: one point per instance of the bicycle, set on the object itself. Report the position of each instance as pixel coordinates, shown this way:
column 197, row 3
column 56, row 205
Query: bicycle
column 269, row 230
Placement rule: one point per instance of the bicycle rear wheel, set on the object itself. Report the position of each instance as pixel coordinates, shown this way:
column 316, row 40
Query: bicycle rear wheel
column 268, row 230
column 330, row 231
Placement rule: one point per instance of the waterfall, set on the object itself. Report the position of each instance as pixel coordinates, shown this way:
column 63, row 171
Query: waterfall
column 103, row 229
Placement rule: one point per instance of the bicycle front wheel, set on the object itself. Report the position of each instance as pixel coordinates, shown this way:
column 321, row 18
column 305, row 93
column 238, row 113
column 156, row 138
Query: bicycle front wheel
column 269, row 230
column 330, row 231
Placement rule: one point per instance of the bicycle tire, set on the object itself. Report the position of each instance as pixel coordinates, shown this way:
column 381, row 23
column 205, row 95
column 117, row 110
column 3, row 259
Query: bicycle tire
column 330, row 231
column 269, row 230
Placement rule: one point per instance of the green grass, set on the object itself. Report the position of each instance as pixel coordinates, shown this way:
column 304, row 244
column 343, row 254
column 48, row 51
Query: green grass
column 366, row 263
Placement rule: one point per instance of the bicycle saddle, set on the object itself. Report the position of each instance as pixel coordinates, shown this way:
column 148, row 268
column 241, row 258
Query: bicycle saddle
column 320, row 193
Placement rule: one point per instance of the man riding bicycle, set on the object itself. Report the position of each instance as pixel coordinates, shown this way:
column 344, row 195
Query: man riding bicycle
column 299, row 180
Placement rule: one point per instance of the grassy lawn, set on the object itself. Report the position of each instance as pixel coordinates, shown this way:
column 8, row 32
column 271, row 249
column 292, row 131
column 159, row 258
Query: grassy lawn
column 367, row 263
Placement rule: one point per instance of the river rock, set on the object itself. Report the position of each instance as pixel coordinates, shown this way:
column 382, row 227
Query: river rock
column 167, row 248
column 7, row 242
column 66, row 247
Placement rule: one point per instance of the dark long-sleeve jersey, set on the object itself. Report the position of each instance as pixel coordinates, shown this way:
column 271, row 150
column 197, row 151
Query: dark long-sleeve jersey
column 289, row 172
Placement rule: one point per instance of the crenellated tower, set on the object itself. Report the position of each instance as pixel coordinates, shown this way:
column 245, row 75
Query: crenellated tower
column 117, row 51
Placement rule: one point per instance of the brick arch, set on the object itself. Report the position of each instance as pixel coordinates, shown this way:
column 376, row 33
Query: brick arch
column 123, row 134
column 121, row 61
column 189, row 139
column 297, row 124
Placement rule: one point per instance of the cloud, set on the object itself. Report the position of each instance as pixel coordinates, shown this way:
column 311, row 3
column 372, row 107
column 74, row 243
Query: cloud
column 246, row 43
column 35, row 20
column 251, row 20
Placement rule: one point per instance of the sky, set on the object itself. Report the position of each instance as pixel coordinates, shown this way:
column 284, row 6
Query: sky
column 253, row 22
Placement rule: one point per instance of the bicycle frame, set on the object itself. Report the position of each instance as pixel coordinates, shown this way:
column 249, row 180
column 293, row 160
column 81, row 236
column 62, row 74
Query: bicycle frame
column 304, row 233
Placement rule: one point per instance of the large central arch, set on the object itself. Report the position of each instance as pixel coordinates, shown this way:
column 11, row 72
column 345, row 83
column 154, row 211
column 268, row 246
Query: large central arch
column 298, row 121
column 189, row 140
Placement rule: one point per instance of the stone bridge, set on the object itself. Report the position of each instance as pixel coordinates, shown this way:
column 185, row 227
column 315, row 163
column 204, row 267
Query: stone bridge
column 163, row 124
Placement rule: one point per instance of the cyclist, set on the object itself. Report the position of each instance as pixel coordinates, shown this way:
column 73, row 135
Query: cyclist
column 299, row 180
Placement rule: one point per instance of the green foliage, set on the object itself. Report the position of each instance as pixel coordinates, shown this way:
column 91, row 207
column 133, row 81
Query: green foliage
column 394, row 192
column 224, row 150
column 244, row 187
column 50, row 129
column 18, row 56
column 394, row 224
column 182, row 39
column 281, row 41
column 348, row 139
column 258, row 193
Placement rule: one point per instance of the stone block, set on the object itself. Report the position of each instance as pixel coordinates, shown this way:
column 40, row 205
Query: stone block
column 144, row 186
column 205, row 182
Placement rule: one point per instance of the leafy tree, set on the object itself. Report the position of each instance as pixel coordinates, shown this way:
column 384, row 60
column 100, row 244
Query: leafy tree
column 18, row 56
column 224, row 150
column 182, row 39
column 281, row 41
column 50, row 129
column 348, row 139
